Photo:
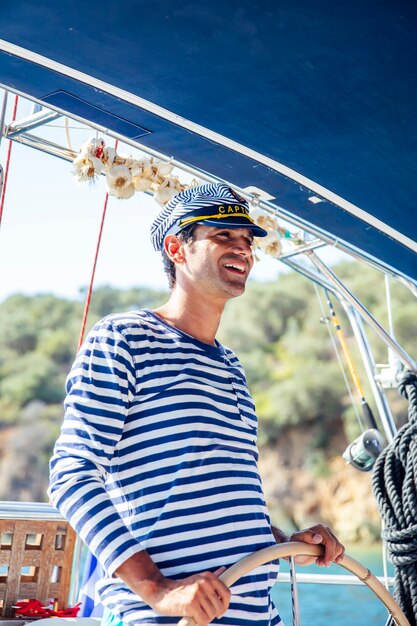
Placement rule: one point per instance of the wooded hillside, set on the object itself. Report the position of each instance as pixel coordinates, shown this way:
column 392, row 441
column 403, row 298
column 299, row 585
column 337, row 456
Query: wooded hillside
column 306, row 418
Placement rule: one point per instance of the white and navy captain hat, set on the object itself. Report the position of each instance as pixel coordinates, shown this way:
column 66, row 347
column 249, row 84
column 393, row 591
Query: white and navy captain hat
column 213, row 204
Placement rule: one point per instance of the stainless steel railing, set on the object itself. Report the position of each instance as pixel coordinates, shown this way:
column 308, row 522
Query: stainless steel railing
column 45, row 511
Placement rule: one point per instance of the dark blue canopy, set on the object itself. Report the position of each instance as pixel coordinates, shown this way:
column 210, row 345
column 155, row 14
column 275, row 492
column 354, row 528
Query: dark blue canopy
column 297, row 98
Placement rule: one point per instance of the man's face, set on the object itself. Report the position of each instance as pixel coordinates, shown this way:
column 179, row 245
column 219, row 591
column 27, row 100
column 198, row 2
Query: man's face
column 219, row 260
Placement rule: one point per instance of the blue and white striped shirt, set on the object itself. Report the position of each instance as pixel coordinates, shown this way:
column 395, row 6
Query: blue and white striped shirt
column 158, row 452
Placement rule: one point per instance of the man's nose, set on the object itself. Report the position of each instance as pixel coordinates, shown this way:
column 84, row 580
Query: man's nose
column 242, row 246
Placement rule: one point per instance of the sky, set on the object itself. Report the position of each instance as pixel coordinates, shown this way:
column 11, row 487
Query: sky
column 50, row 225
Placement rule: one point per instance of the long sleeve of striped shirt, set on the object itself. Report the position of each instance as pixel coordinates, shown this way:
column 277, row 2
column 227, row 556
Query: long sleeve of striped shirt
column 158, row 452
column 100, row 387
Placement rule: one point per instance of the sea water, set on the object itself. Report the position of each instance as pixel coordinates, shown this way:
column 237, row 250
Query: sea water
column 335, row 605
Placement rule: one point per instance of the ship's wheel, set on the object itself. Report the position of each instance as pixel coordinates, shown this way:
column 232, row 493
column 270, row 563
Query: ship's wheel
column 298, row 548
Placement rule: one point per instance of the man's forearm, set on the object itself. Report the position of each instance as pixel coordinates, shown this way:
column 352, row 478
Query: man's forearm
column 201, row 596
column 142, row 575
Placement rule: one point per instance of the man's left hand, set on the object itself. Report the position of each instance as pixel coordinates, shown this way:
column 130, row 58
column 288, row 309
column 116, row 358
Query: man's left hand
column 319, row 535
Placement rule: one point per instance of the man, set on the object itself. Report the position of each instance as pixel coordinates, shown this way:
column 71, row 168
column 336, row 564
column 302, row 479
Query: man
column 156, row 465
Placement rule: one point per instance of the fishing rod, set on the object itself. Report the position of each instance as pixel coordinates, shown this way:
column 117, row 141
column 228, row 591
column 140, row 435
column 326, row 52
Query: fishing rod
column 366, row 409
column 365, row 449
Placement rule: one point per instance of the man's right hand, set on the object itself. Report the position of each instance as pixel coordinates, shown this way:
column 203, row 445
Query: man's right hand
column 200, row 596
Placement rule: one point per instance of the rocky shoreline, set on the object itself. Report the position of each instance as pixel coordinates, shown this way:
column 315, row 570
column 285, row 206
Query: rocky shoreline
column 301, row 492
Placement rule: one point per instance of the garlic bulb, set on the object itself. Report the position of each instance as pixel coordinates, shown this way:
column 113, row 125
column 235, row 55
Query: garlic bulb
column 164, row 168
column 271, row 244
column 86, row 167
column 123, row 193
column 165, row 191
column 262, row 219
column 109, row 155
column 119, row 181
column 141, row 183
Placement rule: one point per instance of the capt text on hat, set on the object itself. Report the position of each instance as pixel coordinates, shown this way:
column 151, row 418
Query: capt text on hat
column 156, row 466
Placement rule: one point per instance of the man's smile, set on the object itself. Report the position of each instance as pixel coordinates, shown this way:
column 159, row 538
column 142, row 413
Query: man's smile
column 236, row 264
column 236, row 267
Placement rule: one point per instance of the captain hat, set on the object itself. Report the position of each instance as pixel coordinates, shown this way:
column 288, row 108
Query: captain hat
column 213, row 204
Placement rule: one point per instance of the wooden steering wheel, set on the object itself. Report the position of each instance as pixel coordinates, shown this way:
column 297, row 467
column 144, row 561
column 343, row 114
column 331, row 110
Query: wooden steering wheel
column 299, row 548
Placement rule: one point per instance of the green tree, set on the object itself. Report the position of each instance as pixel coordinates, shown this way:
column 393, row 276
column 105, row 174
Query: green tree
column 275, row 329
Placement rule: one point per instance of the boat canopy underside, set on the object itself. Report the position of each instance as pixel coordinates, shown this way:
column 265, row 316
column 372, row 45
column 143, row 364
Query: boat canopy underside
column 314, row 104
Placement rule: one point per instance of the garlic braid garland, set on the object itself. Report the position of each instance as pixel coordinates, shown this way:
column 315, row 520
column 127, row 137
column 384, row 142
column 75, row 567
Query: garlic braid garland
column 126, row 175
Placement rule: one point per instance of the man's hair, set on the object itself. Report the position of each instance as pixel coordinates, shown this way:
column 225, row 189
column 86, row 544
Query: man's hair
column 187, row 236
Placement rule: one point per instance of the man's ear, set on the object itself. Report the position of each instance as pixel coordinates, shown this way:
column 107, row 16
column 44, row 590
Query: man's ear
column 174, row 248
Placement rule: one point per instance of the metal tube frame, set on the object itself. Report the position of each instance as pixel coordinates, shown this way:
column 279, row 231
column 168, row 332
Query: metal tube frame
column 365, row 350
column 44, row 145
column 337, row 244
column 29, row 511
column 32, row 121
column 330, row 579
column 315, row 277
column 333, row 283
column 404, row 357
column 381, row 402
column 311, row 245
column 263, row 204
column 45, row 511
column 3, row 114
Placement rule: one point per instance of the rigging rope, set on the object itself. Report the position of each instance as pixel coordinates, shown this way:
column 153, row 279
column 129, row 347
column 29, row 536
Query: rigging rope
column 90, row 287
column 395, row 487
column 67, row 134
column 93, row 272
column 9, row 153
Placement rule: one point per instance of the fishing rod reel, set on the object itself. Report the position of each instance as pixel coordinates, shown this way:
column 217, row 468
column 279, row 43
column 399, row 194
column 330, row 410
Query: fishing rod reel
column 364, row 450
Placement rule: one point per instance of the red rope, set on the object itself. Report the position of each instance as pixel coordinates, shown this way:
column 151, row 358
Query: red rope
column 9, row 152
column 90, row 287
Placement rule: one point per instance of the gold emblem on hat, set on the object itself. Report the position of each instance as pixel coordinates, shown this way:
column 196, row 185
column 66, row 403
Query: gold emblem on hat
column 236, row 195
